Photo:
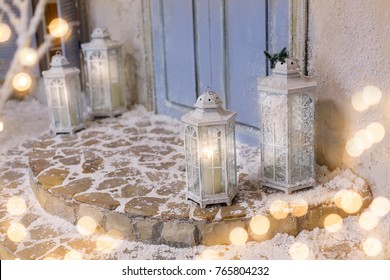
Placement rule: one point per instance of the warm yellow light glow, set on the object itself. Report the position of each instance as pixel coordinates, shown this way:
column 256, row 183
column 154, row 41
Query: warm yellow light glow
column 58, row 27
column 351, row 202
column 49, row 259
column 209, row 255
column 355, row 147
column 372, row 95
column 86, row 225
column 358, row 102
column 279, row 209
column 365, row 137
column 378, row 131
column 5, row 32
column 1, row 126
column 109, row 241
column 16, row 206
column 28, row 56
column 298, row 207
column 299, row 251
column 22, row 81
column 259, row 225
column 368, row 220
column 16, row 232
column 380, row 206
column 238, row 236
column 372, row 247
column 73, row 255
column 333, row 223
column 338, row 196
column 208, row 152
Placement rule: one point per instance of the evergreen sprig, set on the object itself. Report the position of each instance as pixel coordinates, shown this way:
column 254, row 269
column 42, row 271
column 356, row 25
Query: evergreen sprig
column 275, row 57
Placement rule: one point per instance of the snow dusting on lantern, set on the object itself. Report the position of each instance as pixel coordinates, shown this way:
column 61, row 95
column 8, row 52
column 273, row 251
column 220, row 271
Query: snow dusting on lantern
column 287, row 128
column 62, row 85
column 103, row 64
column 209, row 140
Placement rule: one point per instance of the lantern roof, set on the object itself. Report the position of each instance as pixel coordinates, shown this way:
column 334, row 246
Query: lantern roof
column 286, row 78
column 208, row 110
column 60, row 67
column 58, row 60
column 100, row 40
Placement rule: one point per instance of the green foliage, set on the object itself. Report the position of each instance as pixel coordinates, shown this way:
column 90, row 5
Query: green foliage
column 275, row 57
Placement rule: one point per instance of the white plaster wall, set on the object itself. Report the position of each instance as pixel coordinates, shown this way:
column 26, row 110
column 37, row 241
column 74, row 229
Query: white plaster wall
column 124, row 20
column 349, row 48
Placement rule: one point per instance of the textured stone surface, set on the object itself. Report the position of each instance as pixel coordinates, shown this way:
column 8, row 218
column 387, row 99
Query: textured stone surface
column 179, row 233
column 134, row 191
column 74, row 187
column 52, row 177
column 111, row 183
column 144, row 206
column 99, row 199
column 92, row 165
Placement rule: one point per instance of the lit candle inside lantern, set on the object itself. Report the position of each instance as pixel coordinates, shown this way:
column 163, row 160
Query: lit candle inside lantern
column 212, row 176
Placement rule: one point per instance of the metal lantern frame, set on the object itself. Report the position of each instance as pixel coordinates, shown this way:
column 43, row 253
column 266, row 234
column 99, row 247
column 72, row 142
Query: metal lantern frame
column 209, row 140
column 63, row 92
column 287, row 107
column 104, row 74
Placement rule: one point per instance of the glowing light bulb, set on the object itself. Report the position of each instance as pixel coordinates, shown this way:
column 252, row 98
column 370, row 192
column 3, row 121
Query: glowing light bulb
column 16, row 232
column 5, row 32
column 377, row 130
column 109, row 241
column 358, row 102
column 1, row 126
column 355, row 147
column 372, row 95
column 333, row 223
column 351, row 202
column 28, row 56
column 259, row 225
column 299, row 251
column 279, row 209
column 380, row 206
column 372, row 247
column 298, row 207
column 238, row 236
column 22, row 81
column 16, row 206
column 86, row 225
column 365, row 137
column 368, row 220
column 58, row 27
column 73, row 255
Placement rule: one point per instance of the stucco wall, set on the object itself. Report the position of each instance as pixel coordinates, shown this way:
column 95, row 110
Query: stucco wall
column 350, row 49
column 124, row 20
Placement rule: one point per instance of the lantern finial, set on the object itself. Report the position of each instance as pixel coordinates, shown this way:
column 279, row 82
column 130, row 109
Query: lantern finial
column 100, row 33
column 58, row 60
column 208, row 100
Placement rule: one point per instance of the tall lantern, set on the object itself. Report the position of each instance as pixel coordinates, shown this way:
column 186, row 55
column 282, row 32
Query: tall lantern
column 287, row 128
column 62, row 85
column 210, row 151
column 104, row 80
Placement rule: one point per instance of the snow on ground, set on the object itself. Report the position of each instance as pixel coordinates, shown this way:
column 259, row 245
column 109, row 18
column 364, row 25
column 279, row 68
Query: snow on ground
column 27, row 119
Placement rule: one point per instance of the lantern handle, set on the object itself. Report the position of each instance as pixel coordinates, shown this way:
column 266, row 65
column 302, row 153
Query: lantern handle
column 207, row 89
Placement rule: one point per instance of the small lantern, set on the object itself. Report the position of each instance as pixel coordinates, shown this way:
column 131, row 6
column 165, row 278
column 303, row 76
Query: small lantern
column 287, row 128
column 62, row 85
column 104, row 80
column 210, row 151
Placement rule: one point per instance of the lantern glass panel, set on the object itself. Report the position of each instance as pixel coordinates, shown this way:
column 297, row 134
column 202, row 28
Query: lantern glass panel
column 231, row 157
column 98, row 73
column 115, row 78
column 192, row 164
column 59, row 103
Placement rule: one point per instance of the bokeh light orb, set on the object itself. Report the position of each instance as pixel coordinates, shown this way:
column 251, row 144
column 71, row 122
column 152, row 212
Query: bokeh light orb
column 5, row 32
column 372, row 247
column 209, row 254
column 298, row 207
column 354, row 147
column 16, row 206
column 86, row 225
column 365, row 137
column 22, row 81
column 279, row 209
column 372, row 95
column 1, row 126
column 380, row 206
column 58, row 27
column 358, row 102
column 299, row 251
column 28, row 56
column 109, row 242
column 333, row 223
column 368, row 220
column 73, row 255
column 238, row 236
column 351, row 202
column 259, row 225
column 377, row 130
column 16, row 232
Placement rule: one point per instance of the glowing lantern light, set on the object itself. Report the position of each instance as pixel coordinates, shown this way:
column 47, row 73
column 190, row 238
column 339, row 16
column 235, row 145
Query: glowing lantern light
column 298, row 207
column 358, row 102
column 22, row 81
column 104, row 74
column 279, row 209
column 351, row 202
column 372, row 247
column 73, row 255
column 333, row 223
column 238, row 236
column 86, row 225
column 28, row 56
column 355, row 147
column 16, row 206
column 58, row 27
column 210, row 149
column 16, row 232
column 299, row 251
column 368, row 220
column 5, row 32
column 372, row 95
column 380, row 206
column 377, row 130
column 109, row 241
column 259, row 225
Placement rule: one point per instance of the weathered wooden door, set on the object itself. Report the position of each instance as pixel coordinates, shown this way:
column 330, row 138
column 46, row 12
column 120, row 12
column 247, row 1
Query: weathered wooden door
column 215, row 43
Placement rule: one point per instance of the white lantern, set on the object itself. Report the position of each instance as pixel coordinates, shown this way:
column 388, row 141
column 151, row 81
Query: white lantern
column 62, row 85
column 209, row 133
column 104, row 80
column 287, row 128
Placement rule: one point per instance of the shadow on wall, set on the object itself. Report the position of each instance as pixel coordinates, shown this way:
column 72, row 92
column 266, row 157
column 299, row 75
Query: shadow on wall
column 330, row 130
column 130, row 73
